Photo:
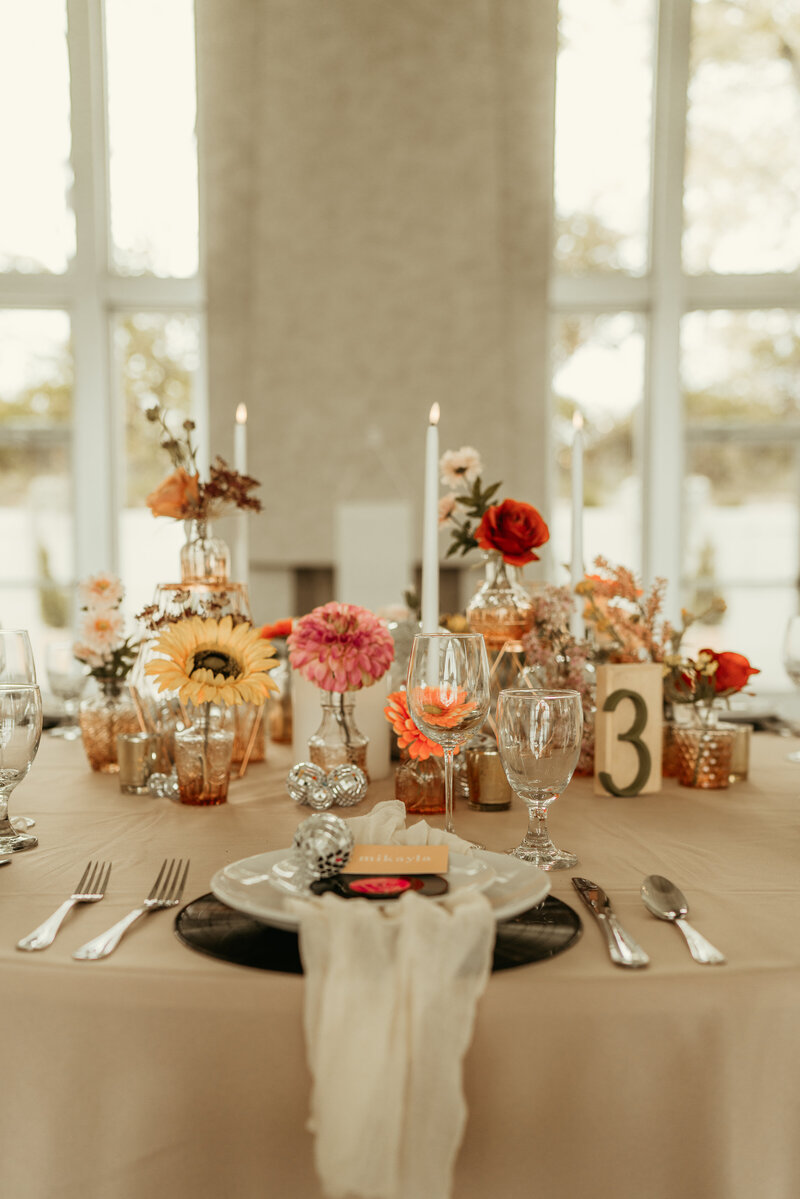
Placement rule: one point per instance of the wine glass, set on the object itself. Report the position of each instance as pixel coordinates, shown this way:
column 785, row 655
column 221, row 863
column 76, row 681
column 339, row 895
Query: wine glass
column 20, row 731
column 791, row 663
column 448, row 695
column 67, row 678
column 17, row 666
column 539, row 737
column 16, row 657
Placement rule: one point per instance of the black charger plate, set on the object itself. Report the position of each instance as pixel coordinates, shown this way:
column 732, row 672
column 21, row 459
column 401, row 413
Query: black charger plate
column 211, row 927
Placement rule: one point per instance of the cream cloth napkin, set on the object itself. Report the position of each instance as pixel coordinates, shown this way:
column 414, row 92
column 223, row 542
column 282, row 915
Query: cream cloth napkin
column 390, row 1003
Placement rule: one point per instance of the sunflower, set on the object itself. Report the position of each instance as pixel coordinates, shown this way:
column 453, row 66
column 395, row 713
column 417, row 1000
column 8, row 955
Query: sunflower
column 211, row 661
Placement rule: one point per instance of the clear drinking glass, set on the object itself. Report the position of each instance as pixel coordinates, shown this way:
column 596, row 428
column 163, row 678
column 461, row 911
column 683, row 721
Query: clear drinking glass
column 791, row 662
column 539, row 737
column 17, row 666
column 20, row 731
column 67, row 679
column 448, row 695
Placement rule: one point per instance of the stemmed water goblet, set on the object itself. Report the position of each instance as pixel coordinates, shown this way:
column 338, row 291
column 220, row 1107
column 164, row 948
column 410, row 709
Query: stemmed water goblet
column 539, row 737
column 67, row 678
column 20, row 730
column 448, row 695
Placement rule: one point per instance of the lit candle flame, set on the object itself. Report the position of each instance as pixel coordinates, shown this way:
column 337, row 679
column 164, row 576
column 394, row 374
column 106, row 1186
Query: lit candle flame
column 577, row 420
column 433, row 419
column 241, row 414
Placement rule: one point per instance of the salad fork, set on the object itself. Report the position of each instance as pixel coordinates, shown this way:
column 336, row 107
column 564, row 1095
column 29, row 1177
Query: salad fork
column 166, row 893
column 90, row 889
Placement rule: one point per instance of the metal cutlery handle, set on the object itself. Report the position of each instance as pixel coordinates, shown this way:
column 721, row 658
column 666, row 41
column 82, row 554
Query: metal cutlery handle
column 701, row 950
column 45, row 934
column 623, row 949
column 107, row 942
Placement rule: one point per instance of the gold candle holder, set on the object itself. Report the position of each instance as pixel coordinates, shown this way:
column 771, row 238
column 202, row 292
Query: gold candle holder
column 489, row 790
column 136, row 754
column 740, row 757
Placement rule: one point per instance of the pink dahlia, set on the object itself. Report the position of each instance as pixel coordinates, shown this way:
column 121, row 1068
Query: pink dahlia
column 341, row 647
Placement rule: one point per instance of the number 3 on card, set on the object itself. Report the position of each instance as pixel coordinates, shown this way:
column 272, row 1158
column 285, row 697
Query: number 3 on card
column 629, row 729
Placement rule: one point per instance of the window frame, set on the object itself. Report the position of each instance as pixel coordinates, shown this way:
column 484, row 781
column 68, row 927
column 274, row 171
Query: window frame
column 92, row 295
column 663, row 296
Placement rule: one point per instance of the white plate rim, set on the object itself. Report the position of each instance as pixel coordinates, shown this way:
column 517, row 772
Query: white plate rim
column 279, row 918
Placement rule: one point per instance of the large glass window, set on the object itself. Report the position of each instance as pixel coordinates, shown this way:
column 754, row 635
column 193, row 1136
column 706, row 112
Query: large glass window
column 98, row 146
column 602, row 167
column 743, row 137
column 688, row 383
column 599, row 372
column 37, row 225
column 35, row 468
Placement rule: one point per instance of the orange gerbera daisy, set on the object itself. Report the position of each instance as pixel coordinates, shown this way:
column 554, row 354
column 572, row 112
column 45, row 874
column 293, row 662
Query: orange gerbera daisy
column 409, row 735
column 441, row 711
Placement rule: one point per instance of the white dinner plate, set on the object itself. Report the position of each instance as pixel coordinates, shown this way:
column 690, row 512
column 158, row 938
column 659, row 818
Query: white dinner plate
column 510, row 885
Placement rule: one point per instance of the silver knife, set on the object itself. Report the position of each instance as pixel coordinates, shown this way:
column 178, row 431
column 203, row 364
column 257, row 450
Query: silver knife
column 623, row 949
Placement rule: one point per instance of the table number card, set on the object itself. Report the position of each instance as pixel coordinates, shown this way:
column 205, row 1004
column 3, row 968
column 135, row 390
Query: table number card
column 628, row 729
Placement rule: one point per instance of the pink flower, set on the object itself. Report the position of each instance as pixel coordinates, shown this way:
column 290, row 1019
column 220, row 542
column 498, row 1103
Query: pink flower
column 341, row 647
column 102, row 629
column 460, row 468
column 447, row 506
column 85, row 654
column 101, row 590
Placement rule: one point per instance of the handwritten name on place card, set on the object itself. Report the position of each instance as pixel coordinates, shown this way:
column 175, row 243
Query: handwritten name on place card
column 397, row 859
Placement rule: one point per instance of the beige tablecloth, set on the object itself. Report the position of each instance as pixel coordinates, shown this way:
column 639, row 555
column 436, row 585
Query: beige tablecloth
column 163, row 1072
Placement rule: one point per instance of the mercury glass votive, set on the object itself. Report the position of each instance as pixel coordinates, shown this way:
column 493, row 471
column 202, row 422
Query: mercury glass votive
column 740, row 757
column 136, row 755
column 488, row 786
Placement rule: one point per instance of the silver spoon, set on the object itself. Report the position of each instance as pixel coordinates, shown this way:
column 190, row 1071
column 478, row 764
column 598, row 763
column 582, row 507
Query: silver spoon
column 5, row 861
column 668, row 902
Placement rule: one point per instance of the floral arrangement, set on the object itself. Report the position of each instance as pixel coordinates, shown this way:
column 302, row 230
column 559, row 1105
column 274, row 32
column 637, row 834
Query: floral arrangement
column 704, row 680
column 209, row 661
column 511, row 529
column 556, row 658
column 627, row 621
column 103, row 646
column 341, row 647
column 183, row 495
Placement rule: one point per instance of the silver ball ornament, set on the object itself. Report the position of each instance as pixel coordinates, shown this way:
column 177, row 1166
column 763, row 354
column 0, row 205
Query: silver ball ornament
column 303, row 779
column 323, row 844
column 348, row 785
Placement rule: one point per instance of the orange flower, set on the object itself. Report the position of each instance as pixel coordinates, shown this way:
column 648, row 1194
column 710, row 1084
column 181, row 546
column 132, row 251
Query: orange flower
column 177, row 496
column 408, row 734
column 444, row 713
column 281, row 628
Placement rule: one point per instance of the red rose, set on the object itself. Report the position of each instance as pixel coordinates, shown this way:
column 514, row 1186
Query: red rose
column 733, row 671
column 513, row 530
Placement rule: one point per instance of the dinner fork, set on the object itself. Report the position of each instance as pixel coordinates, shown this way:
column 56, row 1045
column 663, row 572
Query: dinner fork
column 166, row 893
column 92, row 886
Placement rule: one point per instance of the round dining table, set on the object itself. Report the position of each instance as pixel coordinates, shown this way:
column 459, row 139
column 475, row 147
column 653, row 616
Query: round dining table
column 163, row 1071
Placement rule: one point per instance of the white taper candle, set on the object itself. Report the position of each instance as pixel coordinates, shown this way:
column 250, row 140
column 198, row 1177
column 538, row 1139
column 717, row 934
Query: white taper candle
column 576, row 559
column 242, row 544
column 430, row 528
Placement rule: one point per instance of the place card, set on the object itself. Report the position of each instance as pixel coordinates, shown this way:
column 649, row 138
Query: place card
column 397, row 859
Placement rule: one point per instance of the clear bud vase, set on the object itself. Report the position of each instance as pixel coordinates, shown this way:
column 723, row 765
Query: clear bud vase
column 338, row 740
column 203, row 753
column 204, row 557
column 501, row 608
